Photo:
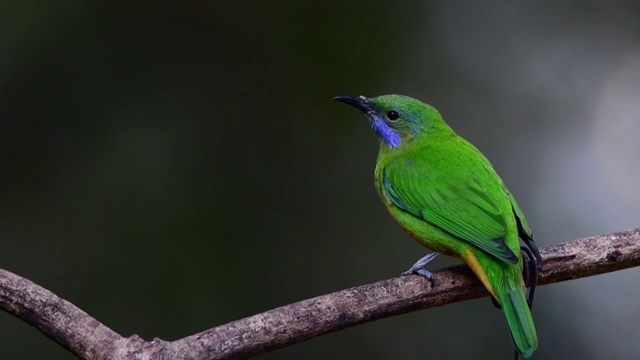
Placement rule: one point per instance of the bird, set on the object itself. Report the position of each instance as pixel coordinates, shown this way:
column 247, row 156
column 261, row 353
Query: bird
column 446, row 195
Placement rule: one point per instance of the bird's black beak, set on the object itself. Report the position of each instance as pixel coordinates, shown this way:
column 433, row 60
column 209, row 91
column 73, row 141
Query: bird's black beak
column 359, row 102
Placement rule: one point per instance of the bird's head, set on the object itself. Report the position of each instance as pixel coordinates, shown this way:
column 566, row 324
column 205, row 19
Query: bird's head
column 396, row 118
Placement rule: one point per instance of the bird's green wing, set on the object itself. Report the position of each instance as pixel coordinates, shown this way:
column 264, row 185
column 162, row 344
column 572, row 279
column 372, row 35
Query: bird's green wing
column 464, row 210
column 524, row 230
column 520, row 216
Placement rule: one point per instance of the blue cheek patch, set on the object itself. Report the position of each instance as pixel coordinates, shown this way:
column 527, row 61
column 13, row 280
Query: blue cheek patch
column 386, row 132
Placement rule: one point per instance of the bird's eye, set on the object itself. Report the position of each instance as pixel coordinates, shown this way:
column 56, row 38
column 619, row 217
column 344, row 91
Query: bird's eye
column 393, row 115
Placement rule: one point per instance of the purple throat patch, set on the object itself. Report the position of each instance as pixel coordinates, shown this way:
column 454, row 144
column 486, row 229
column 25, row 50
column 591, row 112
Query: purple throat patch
column 386, row 132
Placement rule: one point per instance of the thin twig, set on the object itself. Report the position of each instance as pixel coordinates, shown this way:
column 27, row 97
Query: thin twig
column 88, row 339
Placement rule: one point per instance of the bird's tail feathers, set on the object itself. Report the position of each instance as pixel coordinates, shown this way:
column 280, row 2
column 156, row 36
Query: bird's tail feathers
column 516, row 310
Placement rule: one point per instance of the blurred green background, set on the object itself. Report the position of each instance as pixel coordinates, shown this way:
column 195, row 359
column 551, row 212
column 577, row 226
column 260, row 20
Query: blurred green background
column 169, row 167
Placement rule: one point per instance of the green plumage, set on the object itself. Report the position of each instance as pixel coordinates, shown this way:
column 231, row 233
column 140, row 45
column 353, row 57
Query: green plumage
column 445, row 193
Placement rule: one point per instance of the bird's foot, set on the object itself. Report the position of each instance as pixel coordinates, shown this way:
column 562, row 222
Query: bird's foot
column 422, row 272
column 418, row 267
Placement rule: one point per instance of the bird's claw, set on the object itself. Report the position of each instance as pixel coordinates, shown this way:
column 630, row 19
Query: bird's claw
column 418, row 267
column 422, row 272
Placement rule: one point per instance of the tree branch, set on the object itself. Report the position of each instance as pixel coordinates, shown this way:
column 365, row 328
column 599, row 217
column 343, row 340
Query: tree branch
column 87, row 338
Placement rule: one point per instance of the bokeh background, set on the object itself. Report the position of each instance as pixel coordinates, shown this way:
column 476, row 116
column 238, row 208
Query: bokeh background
column 172, row 166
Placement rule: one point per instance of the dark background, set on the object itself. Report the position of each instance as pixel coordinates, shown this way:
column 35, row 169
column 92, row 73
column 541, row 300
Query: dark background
column 169, row 167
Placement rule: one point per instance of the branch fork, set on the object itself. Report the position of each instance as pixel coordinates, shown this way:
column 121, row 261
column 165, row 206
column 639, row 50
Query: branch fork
column 87, row 338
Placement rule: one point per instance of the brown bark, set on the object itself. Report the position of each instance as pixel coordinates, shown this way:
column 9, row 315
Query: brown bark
column 89, row 339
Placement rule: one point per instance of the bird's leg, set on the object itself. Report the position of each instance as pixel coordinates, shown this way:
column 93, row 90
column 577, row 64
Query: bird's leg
column 418, row 267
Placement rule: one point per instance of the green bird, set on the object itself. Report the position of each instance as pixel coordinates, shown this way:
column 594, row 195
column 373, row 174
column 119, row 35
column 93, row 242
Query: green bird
column 446, row 195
